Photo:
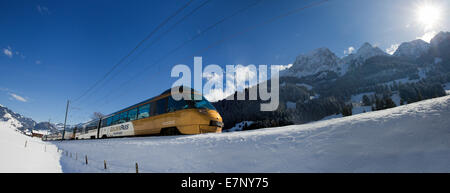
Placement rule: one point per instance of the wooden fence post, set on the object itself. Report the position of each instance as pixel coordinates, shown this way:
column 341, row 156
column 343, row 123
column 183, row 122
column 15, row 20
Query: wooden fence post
column 104, row 164
column 25, row 143
column 86, row 160
column 137, row 168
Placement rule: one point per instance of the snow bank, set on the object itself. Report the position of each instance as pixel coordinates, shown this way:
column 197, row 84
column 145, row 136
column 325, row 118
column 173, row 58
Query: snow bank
column 409, row 138
column 37, row 156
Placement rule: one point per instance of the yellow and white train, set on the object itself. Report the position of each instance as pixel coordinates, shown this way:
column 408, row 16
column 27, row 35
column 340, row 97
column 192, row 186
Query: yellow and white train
column 160, row 115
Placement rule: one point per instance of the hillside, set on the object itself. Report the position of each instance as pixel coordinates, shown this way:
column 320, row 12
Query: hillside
column 409, row 138
column 35, row 156
column 319, row 84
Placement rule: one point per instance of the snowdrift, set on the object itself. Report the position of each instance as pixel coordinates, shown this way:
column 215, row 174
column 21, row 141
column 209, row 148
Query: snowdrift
column 410, row 138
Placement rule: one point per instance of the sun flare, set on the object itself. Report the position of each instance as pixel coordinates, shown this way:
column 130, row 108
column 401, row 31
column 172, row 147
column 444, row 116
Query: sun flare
column 428, row 14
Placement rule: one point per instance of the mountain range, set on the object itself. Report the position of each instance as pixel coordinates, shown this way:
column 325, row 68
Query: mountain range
column 323, row 60
column 320, row 84
column 12, row 119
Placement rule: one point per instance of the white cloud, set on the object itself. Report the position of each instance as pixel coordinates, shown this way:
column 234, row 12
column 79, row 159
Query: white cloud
column 215, row 95
column 211, row 76
column 8, row 52
column 350, row 50
column 428, row 36
column 391, row 50
column 243, row 74
column 17, row 97
column 43, row 10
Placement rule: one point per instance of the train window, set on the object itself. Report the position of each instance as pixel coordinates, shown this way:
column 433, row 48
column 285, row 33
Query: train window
column 116, row 119
column 103, row 123
column 152, row 109
column 174, row 105
column 109, row 121
column 92, row 125
column 161, row 106
column 123, row 117
column 132, row 114
column 144, row 111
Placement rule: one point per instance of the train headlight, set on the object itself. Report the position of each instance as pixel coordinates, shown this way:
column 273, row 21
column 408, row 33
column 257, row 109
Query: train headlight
column 215, row 123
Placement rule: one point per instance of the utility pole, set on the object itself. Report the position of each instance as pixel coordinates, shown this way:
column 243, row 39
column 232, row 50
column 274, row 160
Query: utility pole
column 65, row 120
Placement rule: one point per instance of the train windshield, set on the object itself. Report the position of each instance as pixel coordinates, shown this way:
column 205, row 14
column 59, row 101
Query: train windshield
column 186, row 104
column 203, row 104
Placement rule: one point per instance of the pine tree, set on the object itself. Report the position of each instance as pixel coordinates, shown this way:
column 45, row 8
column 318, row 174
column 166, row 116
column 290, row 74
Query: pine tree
column 347, row 110
column 389, row 103
column 366, row 101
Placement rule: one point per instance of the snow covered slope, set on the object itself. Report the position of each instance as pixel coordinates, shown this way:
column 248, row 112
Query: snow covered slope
column 410, row 138
column 323, row 60
column 318, row 60
column 15, row 157
column 413, row 49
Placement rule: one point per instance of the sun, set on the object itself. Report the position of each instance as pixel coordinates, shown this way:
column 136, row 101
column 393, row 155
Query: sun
column 428, row 14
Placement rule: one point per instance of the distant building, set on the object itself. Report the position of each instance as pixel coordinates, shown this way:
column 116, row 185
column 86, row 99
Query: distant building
column 36, row 134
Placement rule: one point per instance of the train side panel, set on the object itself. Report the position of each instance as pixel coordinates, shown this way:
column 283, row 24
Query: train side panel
column 119, row 130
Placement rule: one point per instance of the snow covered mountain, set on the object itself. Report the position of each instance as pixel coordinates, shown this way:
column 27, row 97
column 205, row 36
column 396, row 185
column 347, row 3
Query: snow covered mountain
column 318, row 60
column 413, row 49
column 10, row 119
column 323, row 60
column 439, row 38
column 365, row 52
column 331, row 81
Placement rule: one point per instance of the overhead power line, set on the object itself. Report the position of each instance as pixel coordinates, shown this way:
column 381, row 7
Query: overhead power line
column 181, row 46
column 252, row 27
column 135, row 48
column 150, row 44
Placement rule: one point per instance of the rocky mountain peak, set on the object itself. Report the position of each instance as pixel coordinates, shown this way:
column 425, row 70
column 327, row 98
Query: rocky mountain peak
column 367, row 51
column 15, row 120
column 412, row 49
column 440, row 37
column 318, row 60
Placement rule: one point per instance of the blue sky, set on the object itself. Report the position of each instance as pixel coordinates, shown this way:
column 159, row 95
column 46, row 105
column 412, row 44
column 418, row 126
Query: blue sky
column 52, row 51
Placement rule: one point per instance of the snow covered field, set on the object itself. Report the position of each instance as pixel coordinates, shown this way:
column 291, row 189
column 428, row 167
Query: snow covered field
column 410, row 138
column 37, row 156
